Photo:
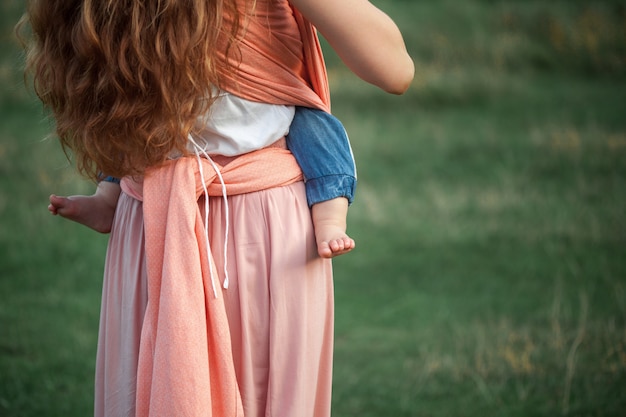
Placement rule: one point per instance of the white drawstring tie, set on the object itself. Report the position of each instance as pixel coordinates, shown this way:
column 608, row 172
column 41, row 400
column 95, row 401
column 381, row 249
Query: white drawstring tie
column 199, row 150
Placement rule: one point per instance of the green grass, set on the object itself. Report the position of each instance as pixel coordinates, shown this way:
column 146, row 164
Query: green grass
column 489, row 277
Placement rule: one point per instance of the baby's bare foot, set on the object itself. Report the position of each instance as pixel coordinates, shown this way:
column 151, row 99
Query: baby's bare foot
column 329, row 221
column 89, row 211
column 332, row 241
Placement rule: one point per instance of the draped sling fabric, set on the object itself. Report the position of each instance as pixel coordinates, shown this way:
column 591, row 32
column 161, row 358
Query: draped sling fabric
column 184, row 321
column 279, row 60
column 185, row 365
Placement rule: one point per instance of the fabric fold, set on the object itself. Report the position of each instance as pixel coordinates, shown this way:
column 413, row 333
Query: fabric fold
column 185, row 360
column 279, row 60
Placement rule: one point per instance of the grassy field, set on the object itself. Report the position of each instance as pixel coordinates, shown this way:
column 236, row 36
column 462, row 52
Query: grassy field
column 490, row 272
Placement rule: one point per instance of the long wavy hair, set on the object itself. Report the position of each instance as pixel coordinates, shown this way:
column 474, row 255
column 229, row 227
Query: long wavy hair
column 125, row 80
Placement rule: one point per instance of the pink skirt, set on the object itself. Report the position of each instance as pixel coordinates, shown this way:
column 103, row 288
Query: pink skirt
column 279, row 304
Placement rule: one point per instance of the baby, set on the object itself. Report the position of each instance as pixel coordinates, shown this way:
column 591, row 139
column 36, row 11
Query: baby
column 321, row 147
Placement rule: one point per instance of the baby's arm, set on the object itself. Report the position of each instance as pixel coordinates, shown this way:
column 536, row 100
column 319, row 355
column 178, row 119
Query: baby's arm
column 95, row 211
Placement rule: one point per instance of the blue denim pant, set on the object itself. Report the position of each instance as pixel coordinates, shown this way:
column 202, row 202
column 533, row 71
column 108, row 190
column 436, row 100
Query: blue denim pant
column 320, row 144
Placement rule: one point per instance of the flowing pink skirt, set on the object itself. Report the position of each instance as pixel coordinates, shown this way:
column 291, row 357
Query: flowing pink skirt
column 279, row 305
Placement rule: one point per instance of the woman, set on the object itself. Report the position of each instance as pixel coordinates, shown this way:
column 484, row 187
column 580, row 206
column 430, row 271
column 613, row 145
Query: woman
column 214, row 301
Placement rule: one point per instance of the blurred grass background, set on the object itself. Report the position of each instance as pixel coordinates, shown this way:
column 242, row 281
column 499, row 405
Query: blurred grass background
column 490, row 270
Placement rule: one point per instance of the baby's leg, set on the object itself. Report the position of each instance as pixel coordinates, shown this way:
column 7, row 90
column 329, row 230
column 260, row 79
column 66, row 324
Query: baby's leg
column 320, row 144
column 95, row 211
column 329, row 220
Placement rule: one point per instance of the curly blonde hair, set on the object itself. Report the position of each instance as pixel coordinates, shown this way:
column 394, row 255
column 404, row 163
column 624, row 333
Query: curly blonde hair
column 125, row 80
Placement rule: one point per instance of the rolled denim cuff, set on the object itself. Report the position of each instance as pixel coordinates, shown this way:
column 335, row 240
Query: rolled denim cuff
column 110, row 179
column 328, row 187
